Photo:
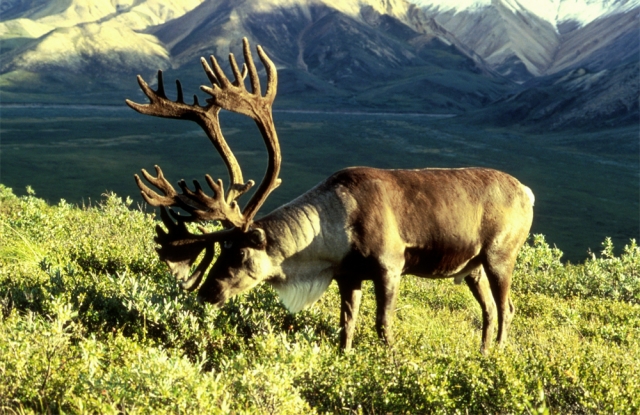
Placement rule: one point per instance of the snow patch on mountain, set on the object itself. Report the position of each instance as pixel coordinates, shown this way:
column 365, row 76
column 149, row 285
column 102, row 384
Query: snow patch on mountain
column 26, row 28
column 350, row 8
column 444, row 5
column 142, row 15
column 137, row 15
column 582, row 12
column 586, row 11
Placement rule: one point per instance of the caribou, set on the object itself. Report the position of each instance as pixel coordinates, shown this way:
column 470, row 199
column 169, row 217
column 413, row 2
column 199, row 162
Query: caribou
column 359, row 224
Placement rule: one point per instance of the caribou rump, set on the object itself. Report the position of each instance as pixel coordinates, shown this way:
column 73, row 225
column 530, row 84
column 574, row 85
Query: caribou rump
column 359, row 224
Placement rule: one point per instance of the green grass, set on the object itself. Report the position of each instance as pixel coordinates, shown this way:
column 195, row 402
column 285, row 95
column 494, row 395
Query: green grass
column 91, row 322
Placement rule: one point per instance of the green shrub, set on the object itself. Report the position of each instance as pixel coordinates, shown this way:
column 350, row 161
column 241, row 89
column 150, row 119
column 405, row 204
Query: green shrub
column 92, row 322
column 539, row 270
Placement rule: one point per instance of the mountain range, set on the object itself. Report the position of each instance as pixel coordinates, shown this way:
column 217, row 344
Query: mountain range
column 522, row 39
column 557, row 61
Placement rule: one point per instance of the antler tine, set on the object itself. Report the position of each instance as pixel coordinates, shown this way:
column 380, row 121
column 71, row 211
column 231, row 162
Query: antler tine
column 214, row 78
column 240, row 76
column 253, row 72
column 180, row 98
column 272, row 74
column 214, row 72
column 235, row 190
column 160, row 92
column 150, row 196
column 198, row 204
column 204, row 207
column 170, row 198
column 160, row 106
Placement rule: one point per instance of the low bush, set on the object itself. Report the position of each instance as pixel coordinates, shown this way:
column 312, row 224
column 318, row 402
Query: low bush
column 540, row 270
column 92, row 322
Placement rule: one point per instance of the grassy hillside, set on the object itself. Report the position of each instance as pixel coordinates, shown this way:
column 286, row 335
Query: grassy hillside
column 91, row 322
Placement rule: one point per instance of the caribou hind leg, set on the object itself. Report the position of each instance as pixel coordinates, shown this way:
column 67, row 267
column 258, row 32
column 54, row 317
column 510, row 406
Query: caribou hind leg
column 499, row 273
column 479, row 285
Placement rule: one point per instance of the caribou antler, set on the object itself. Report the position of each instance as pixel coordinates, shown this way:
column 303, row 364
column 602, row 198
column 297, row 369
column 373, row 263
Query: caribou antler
column 198, row 204
column 235, row 97
column 201, row 206
column 180, row 248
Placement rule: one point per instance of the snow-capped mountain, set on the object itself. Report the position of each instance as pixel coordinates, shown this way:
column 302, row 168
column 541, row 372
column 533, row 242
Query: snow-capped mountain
column 555, row 12
column 518, row 38
column 528, row 38
column 125, row 34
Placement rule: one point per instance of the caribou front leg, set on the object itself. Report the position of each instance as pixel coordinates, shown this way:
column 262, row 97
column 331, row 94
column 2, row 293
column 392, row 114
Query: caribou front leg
column 350, row 298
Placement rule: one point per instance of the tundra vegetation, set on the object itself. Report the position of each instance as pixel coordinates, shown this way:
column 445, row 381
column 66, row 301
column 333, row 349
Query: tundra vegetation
column 92, row 322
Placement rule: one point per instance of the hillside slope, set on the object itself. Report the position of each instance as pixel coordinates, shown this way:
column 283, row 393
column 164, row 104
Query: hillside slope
column 91, row 318
column 345, row 53
column 580, row 98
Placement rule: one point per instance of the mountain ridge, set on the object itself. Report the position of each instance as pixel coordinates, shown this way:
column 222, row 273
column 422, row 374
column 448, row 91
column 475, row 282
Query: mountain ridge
column 556, row 12
column 523, row 39
column 392, row 54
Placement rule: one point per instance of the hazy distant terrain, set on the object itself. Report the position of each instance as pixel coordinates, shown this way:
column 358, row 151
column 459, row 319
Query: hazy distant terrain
column 582, row 181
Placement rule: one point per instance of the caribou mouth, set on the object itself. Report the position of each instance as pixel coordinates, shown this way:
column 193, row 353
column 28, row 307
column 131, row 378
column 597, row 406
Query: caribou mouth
column 192, row 282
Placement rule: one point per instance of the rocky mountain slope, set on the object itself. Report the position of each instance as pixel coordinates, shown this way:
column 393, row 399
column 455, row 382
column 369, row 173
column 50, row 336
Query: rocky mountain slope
column 351, row 52
column 399, row 55
column 522, row 39
column 579, row 98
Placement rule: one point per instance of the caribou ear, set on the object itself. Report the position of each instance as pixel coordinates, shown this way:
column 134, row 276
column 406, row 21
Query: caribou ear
column 258, row 238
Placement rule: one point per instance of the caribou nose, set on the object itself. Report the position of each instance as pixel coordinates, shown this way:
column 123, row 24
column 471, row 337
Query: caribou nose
column 203, row 298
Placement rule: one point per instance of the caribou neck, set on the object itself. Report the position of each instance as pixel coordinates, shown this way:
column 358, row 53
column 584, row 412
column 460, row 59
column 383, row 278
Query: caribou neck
column 306, row 245
column 310, row 228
